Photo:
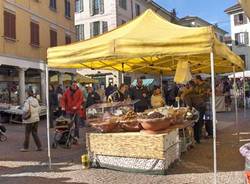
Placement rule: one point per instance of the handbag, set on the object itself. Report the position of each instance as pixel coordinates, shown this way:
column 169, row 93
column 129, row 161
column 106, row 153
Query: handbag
column 27, row 115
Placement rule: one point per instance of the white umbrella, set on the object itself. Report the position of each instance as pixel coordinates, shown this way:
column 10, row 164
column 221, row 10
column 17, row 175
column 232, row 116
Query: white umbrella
column 240, row 75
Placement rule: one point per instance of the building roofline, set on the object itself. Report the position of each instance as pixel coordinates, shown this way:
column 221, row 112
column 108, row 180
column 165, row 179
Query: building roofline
column 156, row 5
column 233, row 9
column 202, row 20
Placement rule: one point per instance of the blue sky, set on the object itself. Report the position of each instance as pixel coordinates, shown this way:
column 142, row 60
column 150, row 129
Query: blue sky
column 210, row 10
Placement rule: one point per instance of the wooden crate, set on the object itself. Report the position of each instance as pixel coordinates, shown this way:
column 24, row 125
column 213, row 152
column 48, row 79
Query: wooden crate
column 134, row 145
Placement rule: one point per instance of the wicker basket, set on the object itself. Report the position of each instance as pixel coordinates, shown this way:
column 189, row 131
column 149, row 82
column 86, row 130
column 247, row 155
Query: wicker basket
column 130, row 125
column 132, row 144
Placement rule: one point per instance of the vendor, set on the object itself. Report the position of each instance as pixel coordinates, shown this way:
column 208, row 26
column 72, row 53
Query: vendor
column 140, row 92
column 157, row 99
column 192, row 98
column 119, row 95
column 92, row 98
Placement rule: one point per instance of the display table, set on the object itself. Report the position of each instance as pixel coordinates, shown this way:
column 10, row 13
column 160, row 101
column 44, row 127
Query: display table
column 135, row 152
column 220, row 104
column 16, row 114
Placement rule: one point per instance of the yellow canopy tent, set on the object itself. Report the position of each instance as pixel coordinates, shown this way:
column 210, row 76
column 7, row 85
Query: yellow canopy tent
column 245, row 4
column 79, row 78
column 148, row 44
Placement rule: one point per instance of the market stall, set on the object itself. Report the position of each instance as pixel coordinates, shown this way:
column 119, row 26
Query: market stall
column 146, row 142
column 150, row 44
column 13, row 114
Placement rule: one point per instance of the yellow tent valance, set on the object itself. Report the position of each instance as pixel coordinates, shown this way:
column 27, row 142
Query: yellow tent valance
column 148, row 44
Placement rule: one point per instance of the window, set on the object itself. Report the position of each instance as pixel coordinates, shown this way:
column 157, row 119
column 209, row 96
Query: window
column 241, row 38
column 240, row 19
column 9, row 25
column 67, row 8
column 137, row 10
column 79, row 6
column 123, row 4
column 52, row 4
column 53, row 38
column 221, row 38
column 96, row 7
column 123, row 22
column 80, row 32
column 104, row 27
column 98, row 27
column 67, row 39
column 34, row 34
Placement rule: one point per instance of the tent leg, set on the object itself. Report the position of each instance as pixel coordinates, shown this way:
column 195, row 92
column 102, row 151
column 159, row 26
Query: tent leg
column 236, row 107
column 244, row 94
column 161, row 83
column 47, row 104
column 214, row 115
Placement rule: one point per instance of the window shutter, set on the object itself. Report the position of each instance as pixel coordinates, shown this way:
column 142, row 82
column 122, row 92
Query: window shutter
column 53, row 38
column 6, row 24
column 91, row 29
column 67, row 39
column 104, row 27
column 101, row 6
column 31, row 33
column 81, row 6
column 244, row 19
column 77, row 32
column 237, row 39
column 69, row 12
column 82, row 31
column 236, row 20
column 91, row 7
column 13, row 26
column 246, row 38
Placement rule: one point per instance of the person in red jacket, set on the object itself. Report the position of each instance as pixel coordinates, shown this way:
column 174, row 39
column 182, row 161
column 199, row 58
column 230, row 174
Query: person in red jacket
column 71, row 103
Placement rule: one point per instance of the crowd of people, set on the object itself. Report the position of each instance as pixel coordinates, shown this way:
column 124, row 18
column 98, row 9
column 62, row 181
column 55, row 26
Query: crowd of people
column 75, row 100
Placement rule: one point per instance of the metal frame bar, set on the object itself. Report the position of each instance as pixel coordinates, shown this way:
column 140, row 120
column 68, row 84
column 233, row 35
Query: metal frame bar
column 236, row 107
column 47, row 104
column 214, row 115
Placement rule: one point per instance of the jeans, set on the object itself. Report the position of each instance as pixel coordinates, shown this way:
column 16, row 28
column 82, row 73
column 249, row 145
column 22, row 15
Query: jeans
column 31, row 128
column 199, row 125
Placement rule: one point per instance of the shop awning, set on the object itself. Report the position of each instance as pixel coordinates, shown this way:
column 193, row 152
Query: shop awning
column 148, row 44
column 79, row 78
column 245, row 4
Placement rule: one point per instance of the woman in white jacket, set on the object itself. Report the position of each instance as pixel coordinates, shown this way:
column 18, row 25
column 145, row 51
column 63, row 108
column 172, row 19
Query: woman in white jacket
column 31, row 124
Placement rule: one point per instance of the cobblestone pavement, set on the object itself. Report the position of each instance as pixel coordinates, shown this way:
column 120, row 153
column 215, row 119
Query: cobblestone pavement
column 195, row 167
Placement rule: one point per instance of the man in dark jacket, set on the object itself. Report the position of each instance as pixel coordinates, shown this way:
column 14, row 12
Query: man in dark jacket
column 53, row 104
column 140, row 92
column 194, row 98
column 92, row 98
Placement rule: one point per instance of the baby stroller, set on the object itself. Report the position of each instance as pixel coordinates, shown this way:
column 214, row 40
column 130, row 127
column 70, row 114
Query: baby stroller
column 64, row 132
column 2, row 133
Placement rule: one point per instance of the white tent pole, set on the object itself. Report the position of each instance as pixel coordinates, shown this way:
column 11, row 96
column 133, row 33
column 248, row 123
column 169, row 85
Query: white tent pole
column 47, row 104
column 214, row 115
column 244, row 93
column 236, row 106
